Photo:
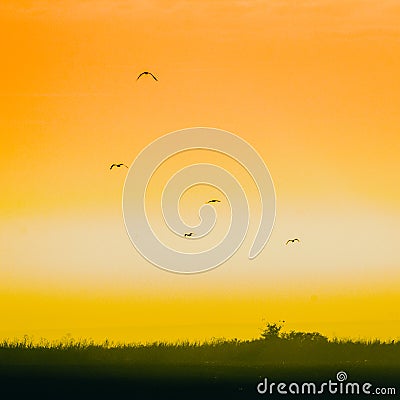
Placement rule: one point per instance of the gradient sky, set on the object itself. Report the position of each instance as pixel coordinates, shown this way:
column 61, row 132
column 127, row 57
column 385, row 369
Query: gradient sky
column 312, row 85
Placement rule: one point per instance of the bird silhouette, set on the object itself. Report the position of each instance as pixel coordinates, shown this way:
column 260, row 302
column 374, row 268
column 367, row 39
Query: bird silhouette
column 213, row 201
column 292, row 240
column 147, row 73
column 189, row 234
column 118, row 165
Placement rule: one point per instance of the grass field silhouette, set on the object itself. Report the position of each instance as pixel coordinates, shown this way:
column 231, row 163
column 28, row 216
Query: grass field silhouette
column 216, row 368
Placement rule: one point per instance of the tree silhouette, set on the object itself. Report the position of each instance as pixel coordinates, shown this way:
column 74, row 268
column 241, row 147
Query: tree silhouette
column 272, row 330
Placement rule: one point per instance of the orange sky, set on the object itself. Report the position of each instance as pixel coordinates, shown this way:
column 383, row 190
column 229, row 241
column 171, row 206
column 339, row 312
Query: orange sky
column 313, row 86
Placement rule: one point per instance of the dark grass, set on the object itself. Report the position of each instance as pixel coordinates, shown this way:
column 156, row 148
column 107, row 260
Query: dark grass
column 215, row 369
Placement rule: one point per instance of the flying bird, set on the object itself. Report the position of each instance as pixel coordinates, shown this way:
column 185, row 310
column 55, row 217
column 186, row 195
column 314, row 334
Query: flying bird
column 213, row 201
column 147, row 73
column 118, row 165
column 292, row 240
column 189, row 234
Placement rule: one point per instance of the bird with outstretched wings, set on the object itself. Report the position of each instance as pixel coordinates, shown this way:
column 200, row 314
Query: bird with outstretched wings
column 146, row 73
column 118, row 165
column 292, row 240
